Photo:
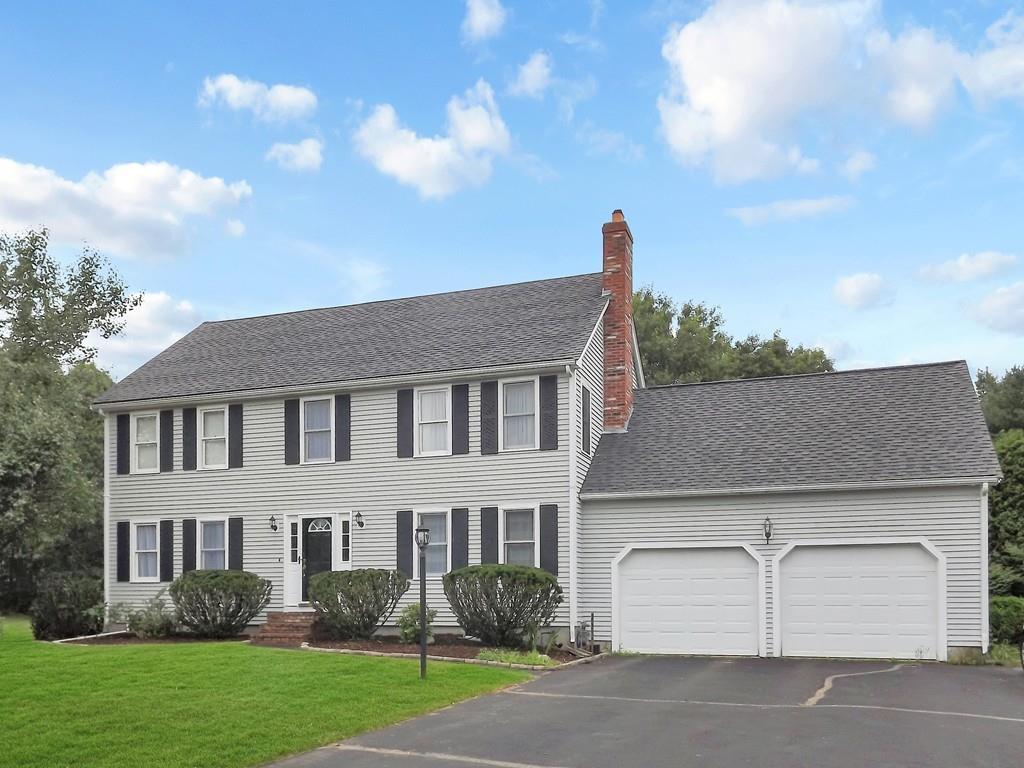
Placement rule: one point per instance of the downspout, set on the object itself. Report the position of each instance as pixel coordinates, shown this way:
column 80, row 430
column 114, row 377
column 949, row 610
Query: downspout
column 573, row 499
column 106, row 519
column 984, row 569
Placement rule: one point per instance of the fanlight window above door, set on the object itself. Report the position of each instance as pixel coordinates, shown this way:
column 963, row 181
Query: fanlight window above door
column 319, row 525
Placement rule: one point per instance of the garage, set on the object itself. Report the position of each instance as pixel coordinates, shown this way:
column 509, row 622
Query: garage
column 688, row 600
column 860, row 601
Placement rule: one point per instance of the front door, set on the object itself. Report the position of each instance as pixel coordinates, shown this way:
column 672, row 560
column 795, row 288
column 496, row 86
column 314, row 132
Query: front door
column 317, row 549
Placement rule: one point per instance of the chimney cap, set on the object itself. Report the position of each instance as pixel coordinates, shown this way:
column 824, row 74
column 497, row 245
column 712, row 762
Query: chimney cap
column 617, row 215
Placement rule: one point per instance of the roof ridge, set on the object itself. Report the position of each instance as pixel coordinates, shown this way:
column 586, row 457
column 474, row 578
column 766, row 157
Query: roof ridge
column 806, row 375
column 400, row 298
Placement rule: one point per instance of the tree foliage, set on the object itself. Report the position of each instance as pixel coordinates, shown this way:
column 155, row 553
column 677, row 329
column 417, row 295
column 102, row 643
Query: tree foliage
column 689, row 343
column 1006, row 517
column 1002, row 399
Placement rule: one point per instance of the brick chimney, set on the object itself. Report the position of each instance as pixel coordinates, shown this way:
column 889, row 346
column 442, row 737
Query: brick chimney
column 617, row 283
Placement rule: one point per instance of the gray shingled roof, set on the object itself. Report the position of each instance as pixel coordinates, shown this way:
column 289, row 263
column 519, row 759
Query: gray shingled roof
column 908, row 423
column 540, row 321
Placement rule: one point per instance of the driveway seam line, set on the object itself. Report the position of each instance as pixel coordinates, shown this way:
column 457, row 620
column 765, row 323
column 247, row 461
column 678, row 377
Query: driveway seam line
column 445, row 756
column 826, row 686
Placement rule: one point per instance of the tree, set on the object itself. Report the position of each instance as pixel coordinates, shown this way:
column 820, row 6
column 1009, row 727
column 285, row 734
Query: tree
column 1006, row 517
column 689, row 343
column 1002, row 400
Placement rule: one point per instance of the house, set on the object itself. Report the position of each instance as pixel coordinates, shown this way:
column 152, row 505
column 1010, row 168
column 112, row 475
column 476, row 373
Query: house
column 838, row 514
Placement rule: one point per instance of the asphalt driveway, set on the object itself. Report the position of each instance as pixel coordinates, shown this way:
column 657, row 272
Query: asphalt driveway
column 654, row 712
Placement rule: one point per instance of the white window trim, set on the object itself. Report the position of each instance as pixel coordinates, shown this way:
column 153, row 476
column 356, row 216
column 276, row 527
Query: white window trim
column 302, row 428
column 447, row 389
column 536, row 414
column 536, row 530
column 199, row 539
column 135, row 577
column 416, row 550
column 135, row 452
column 200, row 439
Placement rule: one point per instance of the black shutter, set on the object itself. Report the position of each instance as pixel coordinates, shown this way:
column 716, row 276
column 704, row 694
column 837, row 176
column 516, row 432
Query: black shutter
column 404, row 424
column 188, row 438
column 489, row 535
column 124, row 550
column 166, row 441
column 236, row 422
column 488, row 417
column 460, row 538
column 235, row 543
column 342, row 427
column 166, row 550
column 403, row 541
column 124, row 443
column 460, row 419
column 188, row 544
column 291, row 431
column 548, row 413
column 586, row 421
column 549, row 538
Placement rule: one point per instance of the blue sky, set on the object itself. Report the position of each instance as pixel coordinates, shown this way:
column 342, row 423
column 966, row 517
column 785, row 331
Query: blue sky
column 849, row 173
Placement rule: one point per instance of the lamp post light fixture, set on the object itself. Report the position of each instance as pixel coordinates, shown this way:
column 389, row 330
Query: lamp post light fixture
column 422, row 540
column 768, row 526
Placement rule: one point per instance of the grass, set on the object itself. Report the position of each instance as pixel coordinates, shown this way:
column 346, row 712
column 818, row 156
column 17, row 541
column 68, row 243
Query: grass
column 204, row 704
column 507, row 656
column 999, row 655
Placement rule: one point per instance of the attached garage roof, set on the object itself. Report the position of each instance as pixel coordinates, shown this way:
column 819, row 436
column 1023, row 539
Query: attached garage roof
column 902, row 424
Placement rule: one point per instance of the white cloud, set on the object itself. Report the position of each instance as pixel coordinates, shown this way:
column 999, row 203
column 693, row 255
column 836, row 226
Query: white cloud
column 571, row 93
column 601, row 141
column 747, row 75
column 438, row 166
column 150, row 328
column 131, row 209
column 534, row 77
column 860, row 291
column 1003, row 310
column 787, row 210
column 306, row 155
column 837, row 349
column 484, row 19
column 234, row 227
column 363, row 278
column 857, row 164
column 969, row 266
column 271, row 103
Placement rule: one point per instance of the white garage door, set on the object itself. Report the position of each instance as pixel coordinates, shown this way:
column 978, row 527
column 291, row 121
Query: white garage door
column 862, row 601
column 700, row 601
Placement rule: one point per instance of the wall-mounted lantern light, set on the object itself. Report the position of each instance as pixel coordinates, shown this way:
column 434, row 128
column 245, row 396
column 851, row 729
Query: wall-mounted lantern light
column 768, row 526
column 273, row 523
column 359, row 520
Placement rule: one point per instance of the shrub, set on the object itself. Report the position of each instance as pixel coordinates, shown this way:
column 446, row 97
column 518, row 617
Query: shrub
column 1006, row 619
column 510, row 656
column 219, row 604
column 154, row 620
column 503, row 605
column 352, row 604
column 67, row 605
column 409, row 624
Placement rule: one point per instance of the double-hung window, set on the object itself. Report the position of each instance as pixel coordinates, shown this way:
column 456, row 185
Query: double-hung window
column 145, row 443
column 519, row 536
column 213, row 438
column 437, row 549
column 519, row 415
column 433, row 421
column 317, row 433
column 146, row 548
column 213, row 544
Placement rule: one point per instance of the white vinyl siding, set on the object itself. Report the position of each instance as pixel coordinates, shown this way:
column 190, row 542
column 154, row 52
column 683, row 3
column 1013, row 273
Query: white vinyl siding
column 375, row 482
column 947, row 517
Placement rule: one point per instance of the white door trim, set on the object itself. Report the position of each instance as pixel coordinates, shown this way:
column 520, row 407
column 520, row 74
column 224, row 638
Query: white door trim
column 921, row 541
column 289, row 571
column 762, row 627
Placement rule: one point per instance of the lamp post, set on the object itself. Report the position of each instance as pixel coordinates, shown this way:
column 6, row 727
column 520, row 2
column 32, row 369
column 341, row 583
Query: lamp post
column 422, row 539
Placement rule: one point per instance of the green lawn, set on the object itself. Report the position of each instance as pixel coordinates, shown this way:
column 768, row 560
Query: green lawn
column 203, row 704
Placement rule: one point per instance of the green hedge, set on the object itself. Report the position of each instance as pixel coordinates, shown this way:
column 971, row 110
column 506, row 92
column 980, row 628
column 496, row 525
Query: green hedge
column 503, row 605
column 67, row 605
column 352, row 604
column 1006, row 619
column 219, row 604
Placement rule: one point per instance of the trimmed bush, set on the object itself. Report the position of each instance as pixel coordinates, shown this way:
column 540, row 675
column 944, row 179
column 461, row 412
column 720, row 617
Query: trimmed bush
column 1006, row 619
column 67, row 605
column 219, row 604
column 409, row 624
column 153, row 621
column 503, row 605
column 350, row 605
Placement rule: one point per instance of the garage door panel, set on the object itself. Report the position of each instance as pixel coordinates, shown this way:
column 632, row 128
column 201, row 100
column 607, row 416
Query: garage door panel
column 697, row 601
column 869, row 600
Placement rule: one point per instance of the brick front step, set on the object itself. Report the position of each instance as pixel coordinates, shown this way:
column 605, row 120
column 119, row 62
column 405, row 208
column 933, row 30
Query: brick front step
column 285, row 629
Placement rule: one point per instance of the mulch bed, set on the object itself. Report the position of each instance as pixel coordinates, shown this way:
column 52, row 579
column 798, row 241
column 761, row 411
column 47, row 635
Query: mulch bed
column 133, row 640
column 452, row 646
